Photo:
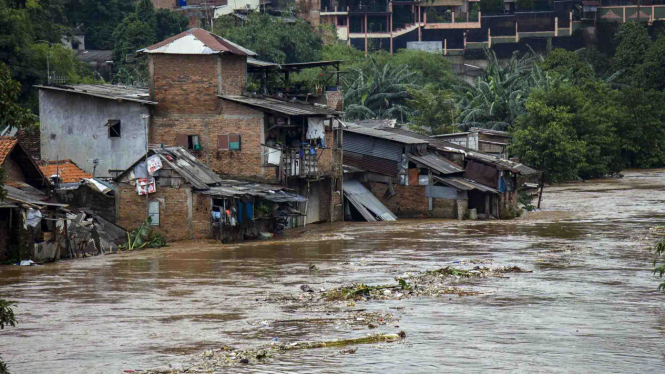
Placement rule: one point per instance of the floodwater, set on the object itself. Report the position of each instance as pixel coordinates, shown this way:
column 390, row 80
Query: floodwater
column 590, row 305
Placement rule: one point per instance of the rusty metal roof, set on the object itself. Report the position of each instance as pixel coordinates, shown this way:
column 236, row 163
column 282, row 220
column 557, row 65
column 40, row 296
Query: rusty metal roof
column 385, row 135
column 106, row 91
column 197, row 41
column 437, row 163
column 289, row 108
column 464, row 184
column 239, row 189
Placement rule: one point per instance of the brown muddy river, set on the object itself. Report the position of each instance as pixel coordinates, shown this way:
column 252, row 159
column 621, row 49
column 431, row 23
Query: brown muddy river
column 590, row 305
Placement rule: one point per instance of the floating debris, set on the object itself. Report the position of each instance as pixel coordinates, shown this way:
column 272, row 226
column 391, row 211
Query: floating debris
column 226, row 356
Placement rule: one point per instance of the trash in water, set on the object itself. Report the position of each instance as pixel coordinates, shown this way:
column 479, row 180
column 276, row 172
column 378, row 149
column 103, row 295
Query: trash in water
column 27, row 262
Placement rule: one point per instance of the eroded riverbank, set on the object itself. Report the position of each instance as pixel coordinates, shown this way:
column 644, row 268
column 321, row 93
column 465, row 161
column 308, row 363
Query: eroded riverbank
column 590, row 304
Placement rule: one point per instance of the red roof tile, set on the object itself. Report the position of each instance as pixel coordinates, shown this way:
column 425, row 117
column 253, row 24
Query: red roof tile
column 68, row 171
column 6, row 145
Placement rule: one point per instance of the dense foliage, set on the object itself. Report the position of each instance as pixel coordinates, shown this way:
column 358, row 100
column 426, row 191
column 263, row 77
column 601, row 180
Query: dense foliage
column 7, row 318
column 274, row 39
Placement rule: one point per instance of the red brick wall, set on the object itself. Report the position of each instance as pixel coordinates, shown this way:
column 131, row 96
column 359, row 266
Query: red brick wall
column 408, row 202
column 164, row 4
column 132, row 211
column 330, row 159
column 335, row 100
column 234, row 119
column 188, row 84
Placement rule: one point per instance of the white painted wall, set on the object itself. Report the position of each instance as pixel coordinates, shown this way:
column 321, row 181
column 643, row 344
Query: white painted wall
column 236, row 5
column 73, row 127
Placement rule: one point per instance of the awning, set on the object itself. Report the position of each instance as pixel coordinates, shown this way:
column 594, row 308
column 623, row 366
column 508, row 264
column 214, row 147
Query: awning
column 367, row 204
column 437, row 163
column 464, row 184
column 285, row 197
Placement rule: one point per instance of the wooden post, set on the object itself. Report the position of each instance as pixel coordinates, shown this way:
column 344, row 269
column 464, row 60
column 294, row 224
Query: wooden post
column 570, row 25
column 487, row 206
column 489, row 37
column 465, row 41
column 479, row 15
column 445, row 47
column 542, row 184
column 453, row 17
column 624, row 14
column 425, row 18
column 366, row 37
column 387, row 23
column 556, row 26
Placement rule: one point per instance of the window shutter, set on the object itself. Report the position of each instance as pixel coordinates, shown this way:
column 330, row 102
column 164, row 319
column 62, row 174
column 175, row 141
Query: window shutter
column 234, row 142
column 181, row 140
column 223, row 142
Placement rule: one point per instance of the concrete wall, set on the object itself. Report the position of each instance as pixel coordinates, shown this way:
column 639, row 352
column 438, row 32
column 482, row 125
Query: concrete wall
column 432, row 47
column 73, row 127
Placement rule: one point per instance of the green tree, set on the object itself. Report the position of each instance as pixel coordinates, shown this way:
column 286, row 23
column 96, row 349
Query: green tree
column 170, row 23
column 434, row 68
column 379, row 92
column 524, row 4
column 545, row 138
column 642, row 130
column 568, row 64
column 652, row 71
column 7, row 318
column 434, row 110
column 98, row 19
column 491, row 6
column 594, row 117
column 273, row 38
column 634, row 41
column 498, row 96
column 136, row 31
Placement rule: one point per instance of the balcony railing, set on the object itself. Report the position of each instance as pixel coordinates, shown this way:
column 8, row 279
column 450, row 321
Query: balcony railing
column 368, row 9
column 300, row 163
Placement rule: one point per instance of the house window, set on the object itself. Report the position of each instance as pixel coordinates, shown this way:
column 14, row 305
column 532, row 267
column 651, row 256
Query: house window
column 190, row 142
column 230, row 142
column 114, row 128
column 153, row 213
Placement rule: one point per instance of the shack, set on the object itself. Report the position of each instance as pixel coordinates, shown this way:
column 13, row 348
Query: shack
column 400, row 172
column 185, row 199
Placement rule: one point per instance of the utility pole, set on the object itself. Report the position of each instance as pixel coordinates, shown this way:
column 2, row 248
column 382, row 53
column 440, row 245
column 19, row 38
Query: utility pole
column 48, row 61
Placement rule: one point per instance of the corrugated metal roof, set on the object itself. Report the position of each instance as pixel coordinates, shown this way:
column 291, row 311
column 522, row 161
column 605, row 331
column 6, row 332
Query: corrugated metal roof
column 33, row 198
column 367, row 204
column 188, row 166
column 464, row 184
column 288, row 108
column 197, row 41
column 106, row 91
column 437, row 163
column 385, row 135
column 95, row 56
column 237, row 189
column 374, row 123
column 372, row 146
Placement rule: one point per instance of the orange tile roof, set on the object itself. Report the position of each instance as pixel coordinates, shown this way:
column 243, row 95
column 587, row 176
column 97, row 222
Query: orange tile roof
column 6, row 145
column 68, row 171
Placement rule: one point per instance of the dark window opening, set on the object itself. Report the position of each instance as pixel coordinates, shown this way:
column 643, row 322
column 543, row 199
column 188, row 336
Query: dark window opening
column 341, row 21
column 190, row 142
column 114, row 128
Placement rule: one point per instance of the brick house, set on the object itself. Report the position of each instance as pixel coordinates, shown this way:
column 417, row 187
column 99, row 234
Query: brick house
column 187, row 200
column 198, row 78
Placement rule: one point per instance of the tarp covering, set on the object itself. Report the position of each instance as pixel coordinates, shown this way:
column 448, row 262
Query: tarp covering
column 367, row 204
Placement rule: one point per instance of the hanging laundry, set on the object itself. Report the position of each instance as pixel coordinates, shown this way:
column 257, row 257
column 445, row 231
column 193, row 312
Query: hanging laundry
column 315, row 129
